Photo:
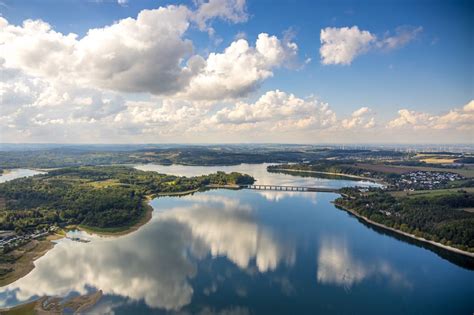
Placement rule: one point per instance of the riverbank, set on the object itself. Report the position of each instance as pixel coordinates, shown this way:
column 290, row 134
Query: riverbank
column 421, row 239
column 6, row 171
column 376, row 180
column 22, row 258
column 192, row 191
column 215, row 186
column 177, row 193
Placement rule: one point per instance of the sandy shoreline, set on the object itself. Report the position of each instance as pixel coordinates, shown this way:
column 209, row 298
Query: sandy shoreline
column 421, row 239
column 25, row 262
column 56, row 305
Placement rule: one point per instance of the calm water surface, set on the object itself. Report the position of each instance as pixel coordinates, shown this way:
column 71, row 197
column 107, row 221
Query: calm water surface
column 18, row 173
column 258, row 171
column 251, row 252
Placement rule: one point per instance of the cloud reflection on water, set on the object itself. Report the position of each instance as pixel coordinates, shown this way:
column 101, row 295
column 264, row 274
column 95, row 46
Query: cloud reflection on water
column 337, row 266
column 229, row 228
column 155, row 263
column 276, row 196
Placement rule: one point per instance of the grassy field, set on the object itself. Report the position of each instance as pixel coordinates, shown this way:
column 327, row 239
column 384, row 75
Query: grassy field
column 434, row 192
column 105, row 183
column 436, row 158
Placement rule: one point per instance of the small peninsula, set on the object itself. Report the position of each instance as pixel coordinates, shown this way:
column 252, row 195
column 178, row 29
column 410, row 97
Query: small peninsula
column 100, row 199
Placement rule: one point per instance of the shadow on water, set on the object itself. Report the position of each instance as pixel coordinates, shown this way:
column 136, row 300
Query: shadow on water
column 455, row 258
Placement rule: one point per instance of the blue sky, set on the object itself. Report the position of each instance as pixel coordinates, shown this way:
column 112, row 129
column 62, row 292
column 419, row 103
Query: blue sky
column 430, row 74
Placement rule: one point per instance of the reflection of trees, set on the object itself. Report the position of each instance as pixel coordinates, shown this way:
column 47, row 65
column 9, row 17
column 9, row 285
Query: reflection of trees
column 154, row 264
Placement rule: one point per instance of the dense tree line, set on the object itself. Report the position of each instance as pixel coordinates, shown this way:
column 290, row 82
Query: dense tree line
column 347, row 167
column 434, row 217
column 187, row 155
column 93, row 196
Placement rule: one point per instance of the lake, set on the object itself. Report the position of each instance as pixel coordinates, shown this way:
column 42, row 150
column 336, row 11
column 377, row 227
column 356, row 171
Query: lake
column 251, row 252
column 17, row 173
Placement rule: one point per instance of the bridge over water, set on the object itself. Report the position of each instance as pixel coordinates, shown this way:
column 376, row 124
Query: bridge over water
column 291, row 188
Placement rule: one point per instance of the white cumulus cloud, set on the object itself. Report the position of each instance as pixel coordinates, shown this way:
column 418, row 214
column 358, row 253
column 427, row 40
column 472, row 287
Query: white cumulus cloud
column 149, row 53
column 240, row 68
column 276, row 110
column 230, row 10
column 342, row 45
column 132, row 55
column 359, row 118
column 458, row 118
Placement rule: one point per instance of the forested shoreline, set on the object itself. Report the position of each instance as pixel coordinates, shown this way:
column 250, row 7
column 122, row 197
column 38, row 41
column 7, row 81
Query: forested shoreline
column 99, row 197
column 434, row 204
column 440, row 219
column 68, row 156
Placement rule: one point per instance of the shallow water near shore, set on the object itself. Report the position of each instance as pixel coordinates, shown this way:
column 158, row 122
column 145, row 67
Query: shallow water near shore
column 250, row 252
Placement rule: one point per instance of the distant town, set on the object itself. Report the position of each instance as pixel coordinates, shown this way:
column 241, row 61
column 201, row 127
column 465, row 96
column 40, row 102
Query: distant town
column 421, row 180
